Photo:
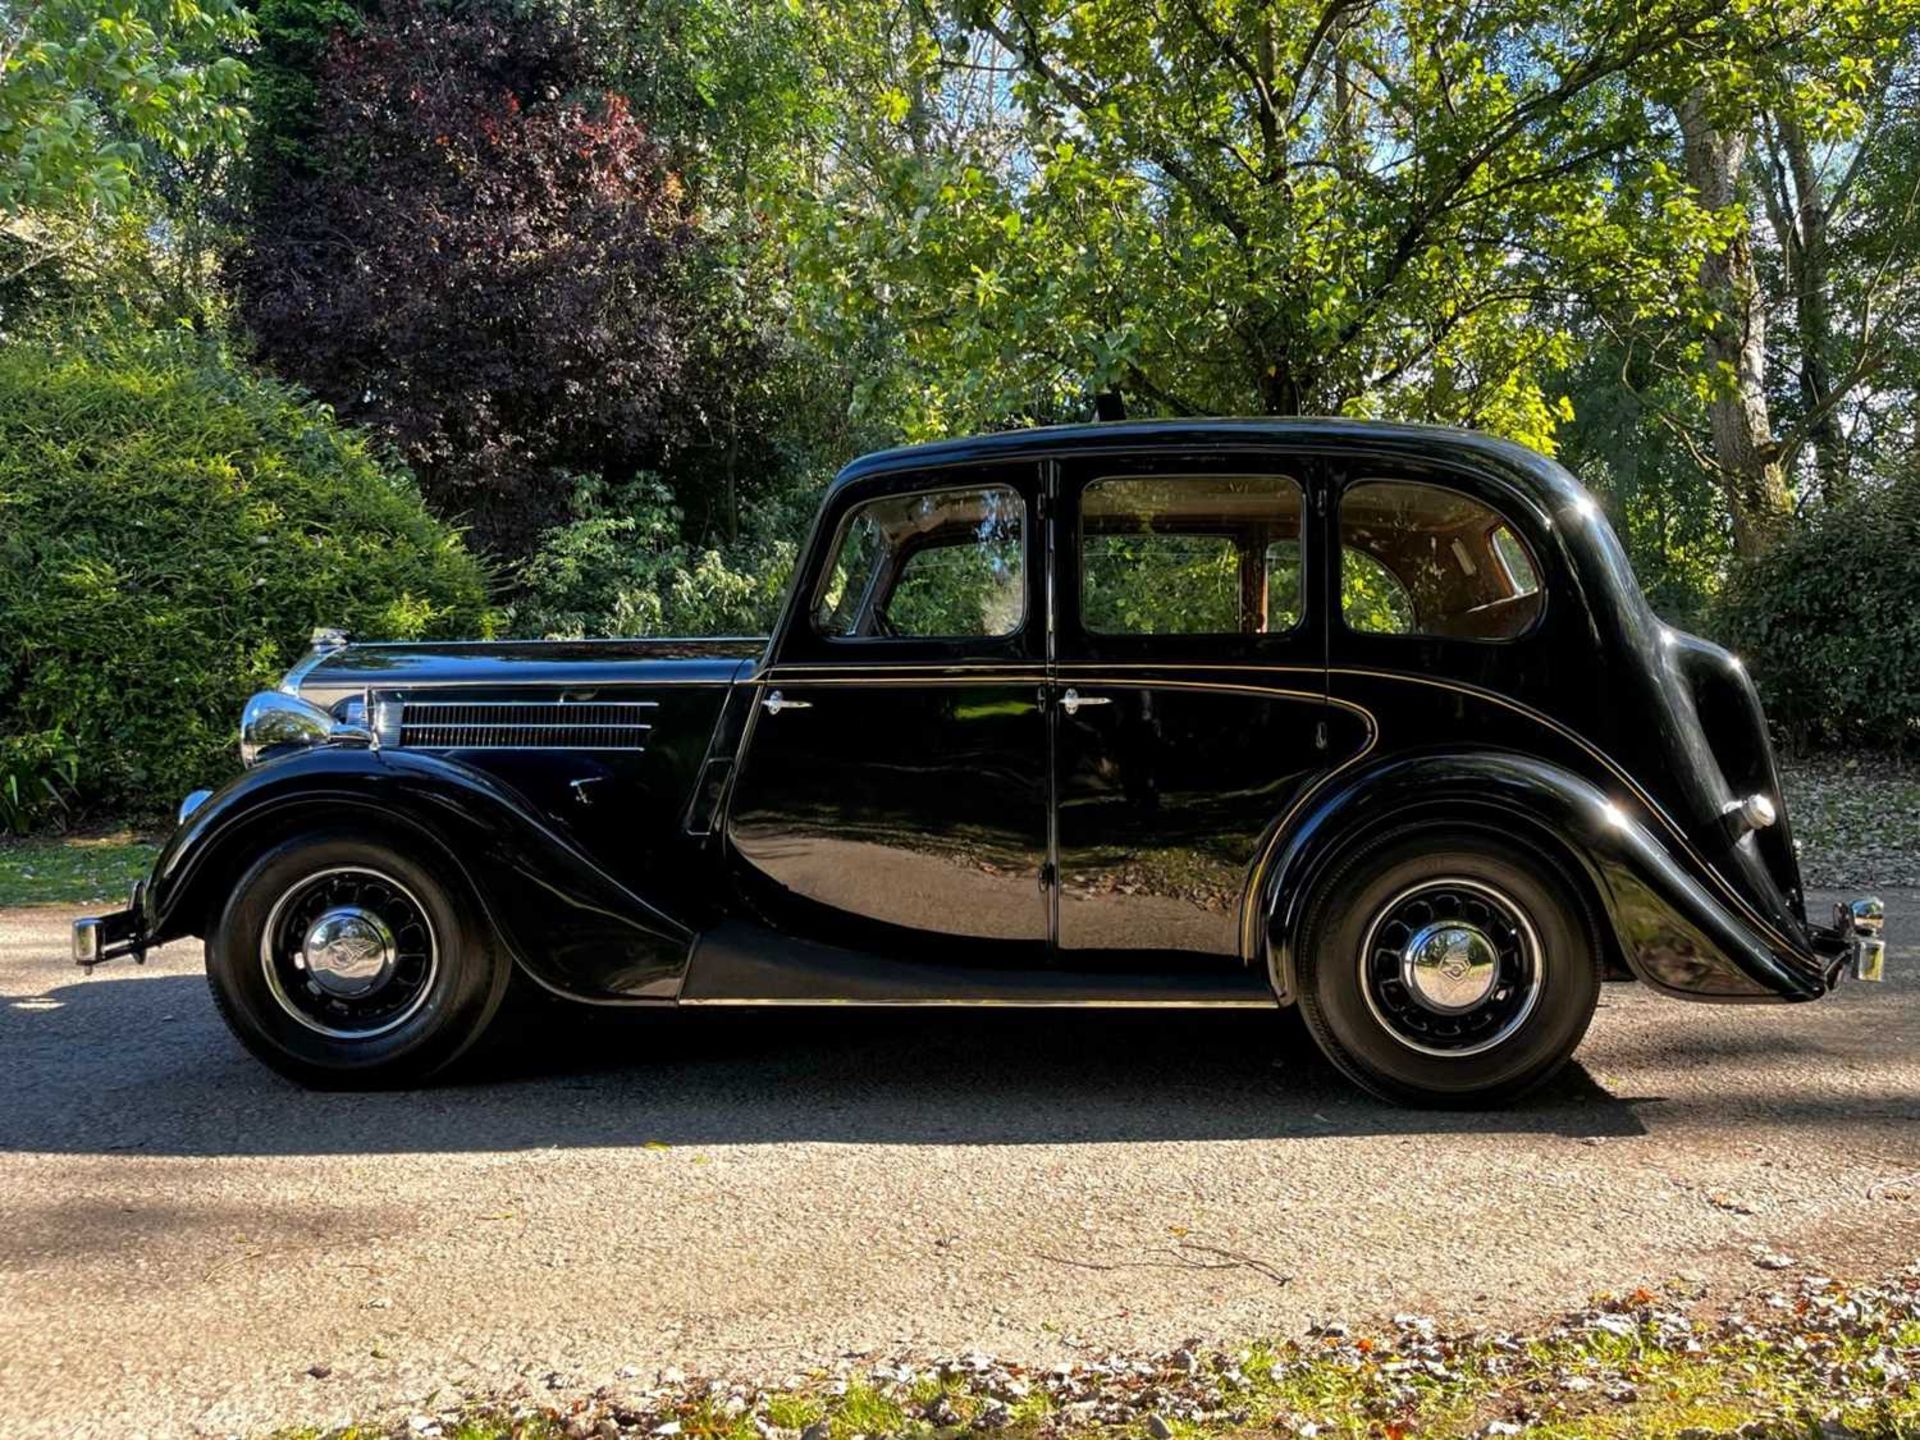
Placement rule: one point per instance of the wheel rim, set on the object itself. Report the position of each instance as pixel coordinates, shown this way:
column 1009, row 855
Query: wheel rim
column 349, row 952
column 1451, row 967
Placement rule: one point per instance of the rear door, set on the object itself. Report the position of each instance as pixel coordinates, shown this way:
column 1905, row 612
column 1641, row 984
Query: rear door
column 1188, row 696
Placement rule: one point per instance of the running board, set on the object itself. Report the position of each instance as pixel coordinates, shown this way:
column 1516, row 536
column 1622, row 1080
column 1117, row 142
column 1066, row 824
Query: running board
column 742, row 964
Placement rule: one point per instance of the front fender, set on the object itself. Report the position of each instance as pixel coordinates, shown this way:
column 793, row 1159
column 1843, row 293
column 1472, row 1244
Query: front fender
column 567, row 922
column 1679, row 928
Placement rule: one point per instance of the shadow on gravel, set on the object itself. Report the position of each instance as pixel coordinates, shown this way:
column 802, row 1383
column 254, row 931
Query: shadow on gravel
column 141, row 1064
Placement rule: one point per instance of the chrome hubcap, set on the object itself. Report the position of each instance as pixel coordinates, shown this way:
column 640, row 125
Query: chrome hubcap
column 1449, row 966
column 348, row 952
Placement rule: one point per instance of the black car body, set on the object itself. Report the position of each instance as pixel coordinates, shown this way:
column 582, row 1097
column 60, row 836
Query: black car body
column 1127, row 713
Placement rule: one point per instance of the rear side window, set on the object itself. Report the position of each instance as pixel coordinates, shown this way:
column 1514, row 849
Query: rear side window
column 943, row 564
column 1423, row 560
column 1190, row 555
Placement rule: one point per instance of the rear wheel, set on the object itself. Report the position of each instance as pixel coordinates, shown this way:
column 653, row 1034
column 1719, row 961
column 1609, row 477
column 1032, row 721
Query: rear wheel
column 342, row 961
column 1448, row 968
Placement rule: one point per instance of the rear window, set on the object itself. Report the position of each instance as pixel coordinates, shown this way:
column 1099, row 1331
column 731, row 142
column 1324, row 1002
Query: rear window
column 1420, row 559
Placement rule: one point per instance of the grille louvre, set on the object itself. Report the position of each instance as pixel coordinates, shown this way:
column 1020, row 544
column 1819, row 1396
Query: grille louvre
column 526, row 724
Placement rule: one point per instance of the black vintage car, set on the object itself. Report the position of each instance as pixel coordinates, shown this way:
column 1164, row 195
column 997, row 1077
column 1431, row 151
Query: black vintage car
column 1370, row 719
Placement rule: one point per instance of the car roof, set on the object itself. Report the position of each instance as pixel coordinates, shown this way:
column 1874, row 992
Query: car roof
column 1547, row 479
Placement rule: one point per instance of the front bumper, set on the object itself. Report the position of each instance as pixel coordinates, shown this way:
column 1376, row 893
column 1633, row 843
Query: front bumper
column 99, row 938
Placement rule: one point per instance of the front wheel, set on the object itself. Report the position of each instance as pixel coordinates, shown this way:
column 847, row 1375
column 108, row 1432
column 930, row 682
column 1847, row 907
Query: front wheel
column 1440, row 968
column 342, row 961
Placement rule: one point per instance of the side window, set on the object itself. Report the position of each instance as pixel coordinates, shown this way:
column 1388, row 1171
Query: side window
column 1422, row 560
column 938, row 565
column 1190, row 555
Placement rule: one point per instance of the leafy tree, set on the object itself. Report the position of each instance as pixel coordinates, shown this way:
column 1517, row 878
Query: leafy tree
column 85, row 84
column 1667, row 511
column 482, row 262
column 1836, row 169
column 293, row 38
column 1231, row 205
column 1772, row 139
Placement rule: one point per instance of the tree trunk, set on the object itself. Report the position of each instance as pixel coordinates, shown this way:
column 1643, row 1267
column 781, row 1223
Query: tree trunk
column 1808, row 272
column 1744, row 451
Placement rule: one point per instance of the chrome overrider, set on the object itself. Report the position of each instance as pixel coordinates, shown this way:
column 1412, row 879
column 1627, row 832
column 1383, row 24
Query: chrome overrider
column 1867, row 917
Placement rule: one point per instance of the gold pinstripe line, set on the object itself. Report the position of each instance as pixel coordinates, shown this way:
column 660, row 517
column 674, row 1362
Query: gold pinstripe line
column 1093, row 672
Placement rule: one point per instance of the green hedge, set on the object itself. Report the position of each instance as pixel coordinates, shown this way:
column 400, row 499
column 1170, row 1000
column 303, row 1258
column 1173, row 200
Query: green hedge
column 1829, row 622
column 172, row 528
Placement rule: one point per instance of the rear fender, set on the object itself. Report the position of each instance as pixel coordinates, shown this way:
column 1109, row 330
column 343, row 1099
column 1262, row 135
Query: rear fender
column 568, row 924
column 1672, row 927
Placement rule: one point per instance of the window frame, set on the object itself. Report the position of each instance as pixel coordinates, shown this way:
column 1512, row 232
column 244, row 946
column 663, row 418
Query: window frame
column 1502, row 513
column 1178, row 467
column 799, row 635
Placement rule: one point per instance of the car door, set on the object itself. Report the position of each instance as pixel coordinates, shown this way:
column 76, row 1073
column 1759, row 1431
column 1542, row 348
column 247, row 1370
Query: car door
column 892, row 792
column 1188, row 696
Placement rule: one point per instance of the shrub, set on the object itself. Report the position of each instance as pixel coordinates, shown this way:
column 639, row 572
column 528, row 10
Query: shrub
column 620, row 569
column 172, row 527
column 1829, row 622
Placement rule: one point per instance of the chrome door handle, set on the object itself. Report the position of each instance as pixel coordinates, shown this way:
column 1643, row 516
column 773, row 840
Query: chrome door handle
column 775, row 702
column 1073, row 700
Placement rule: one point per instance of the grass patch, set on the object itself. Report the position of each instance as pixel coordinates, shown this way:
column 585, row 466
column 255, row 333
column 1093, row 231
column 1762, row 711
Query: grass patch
column 1817, row 1361
column 72, row 869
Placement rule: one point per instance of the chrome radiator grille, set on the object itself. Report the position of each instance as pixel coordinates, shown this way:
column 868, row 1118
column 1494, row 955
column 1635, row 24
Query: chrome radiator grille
column 526, row 724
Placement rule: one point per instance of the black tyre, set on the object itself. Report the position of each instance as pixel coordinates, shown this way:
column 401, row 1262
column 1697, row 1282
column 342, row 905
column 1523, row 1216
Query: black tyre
column 344, row 962
column 1447, row 968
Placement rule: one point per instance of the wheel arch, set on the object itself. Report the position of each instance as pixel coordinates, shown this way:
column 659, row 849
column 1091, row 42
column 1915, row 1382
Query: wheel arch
column 1657, row 919
column 565, row 922
column 1453, row 816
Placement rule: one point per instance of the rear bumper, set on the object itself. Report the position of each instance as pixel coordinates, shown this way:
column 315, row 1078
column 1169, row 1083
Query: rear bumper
column 1853, row 943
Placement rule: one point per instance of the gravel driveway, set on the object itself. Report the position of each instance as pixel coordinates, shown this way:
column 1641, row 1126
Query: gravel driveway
column 187, row 1235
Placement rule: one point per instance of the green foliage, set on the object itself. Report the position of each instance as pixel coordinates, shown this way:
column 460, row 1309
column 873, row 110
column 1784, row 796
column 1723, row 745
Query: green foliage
column 1829, row 625
column 1147, row 584
column 37, row 774
column 171, row 530
column 621, row 568
column 293, row 40
column 1372, row 599
column 1667, row 513
column 86, row 84
column 1230, row 207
